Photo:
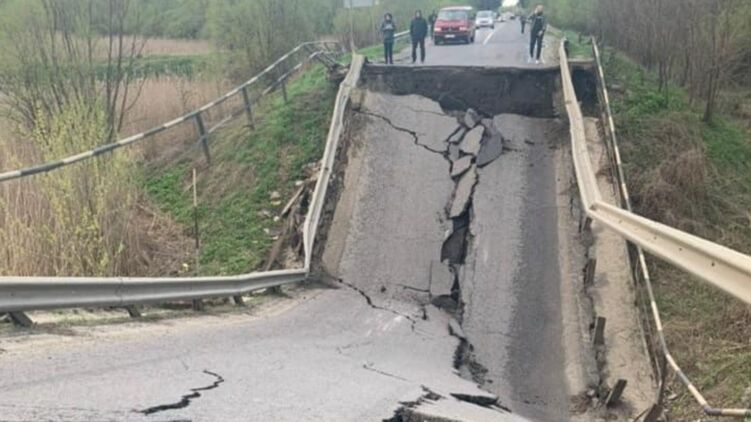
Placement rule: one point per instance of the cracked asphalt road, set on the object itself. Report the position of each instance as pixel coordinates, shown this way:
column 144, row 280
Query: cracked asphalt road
column 376, row 345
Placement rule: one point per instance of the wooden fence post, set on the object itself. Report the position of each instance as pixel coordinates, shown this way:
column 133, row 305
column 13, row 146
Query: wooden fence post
column 248, row 107
column 203, row 137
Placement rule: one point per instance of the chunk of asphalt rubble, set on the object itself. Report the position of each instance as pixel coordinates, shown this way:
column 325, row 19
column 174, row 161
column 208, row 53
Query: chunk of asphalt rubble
column 490, row 150
column 489, row 125
column 457, row 136
column 471, row 118
column 461, row 165
column 472, row 141
column 463, row 192
column 454, row 152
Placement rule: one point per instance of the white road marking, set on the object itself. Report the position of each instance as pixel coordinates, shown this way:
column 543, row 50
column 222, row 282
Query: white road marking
column 489, row 37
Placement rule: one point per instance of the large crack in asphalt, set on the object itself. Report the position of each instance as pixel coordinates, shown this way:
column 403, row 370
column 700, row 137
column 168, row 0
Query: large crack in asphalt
column 410, row 132
column 186, row 400
column 474, row 144
column 406, row 411
column 370, row 303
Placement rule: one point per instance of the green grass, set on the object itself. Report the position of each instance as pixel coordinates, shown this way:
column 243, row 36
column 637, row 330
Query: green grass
column 697, row 177
column 578, row 48
column 248, row 165
column 374, row 53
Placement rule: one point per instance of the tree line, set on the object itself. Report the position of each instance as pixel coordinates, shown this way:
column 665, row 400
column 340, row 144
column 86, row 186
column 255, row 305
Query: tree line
column 703, row 46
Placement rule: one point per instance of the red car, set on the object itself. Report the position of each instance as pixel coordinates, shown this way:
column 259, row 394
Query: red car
column 455, row 24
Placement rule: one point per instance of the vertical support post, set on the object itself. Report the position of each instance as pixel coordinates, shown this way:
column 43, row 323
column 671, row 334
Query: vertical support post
column 656, row 411
column 248, row 107
column 203, row 137
column 585, row 224
column 21, row 319
column 589, row 272
column 599, row 337
column 195, row 222
column 615, row 394
column 198, row 305
column 284, row 88
column 133, row 311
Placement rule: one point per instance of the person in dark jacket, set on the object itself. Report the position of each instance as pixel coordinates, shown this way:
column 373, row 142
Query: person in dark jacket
column 523, row 21
column 388, row 29
column 538, row 26
column 431, row 20
column 418, row 30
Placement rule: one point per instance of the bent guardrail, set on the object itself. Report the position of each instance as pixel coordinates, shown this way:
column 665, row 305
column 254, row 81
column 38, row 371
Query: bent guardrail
column 35, row 293
column 715, row 264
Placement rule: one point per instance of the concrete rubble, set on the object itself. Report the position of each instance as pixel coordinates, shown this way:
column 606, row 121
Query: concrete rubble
column 463, row 192
column 471, row 118
column 473, row 141
column 461, row 165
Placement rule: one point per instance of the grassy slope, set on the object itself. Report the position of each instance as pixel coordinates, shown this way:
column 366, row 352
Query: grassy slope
column 697, row 177
column 247, row 167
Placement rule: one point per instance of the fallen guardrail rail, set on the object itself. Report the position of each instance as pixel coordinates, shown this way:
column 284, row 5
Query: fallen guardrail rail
column 19, row 294
column 715, row 264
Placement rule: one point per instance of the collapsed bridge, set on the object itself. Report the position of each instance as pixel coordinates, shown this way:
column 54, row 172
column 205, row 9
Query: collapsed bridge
column 448, row 215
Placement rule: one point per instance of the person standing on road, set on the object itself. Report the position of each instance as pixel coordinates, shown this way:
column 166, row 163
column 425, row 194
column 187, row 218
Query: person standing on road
column 431, row 20
column 418, row 30
column 538, row 27
column 388, row 29
column 522, row 20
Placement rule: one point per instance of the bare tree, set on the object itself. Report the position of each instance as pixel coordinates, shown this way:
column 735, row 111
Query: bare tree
column 62, row 52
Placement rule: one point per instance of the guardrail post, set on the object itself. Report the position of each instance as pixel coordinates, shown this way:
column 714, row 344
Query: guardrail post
column 203, row 137
column 615, row 394
column 198, row 305
column 248, row 107
column 284, row 88
column 133, row 311
column 585, row 224
column 655, row 412
column 589, row 272
column 21, row 319
column 599, row 337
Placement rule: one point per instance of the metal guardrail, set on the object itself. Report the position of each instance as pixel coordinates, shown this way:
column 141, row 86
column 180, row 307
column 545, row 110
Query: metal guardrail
column 718, row 265
column 715, row 264
column 241, row 91
column 34, row 293
column 400, row 35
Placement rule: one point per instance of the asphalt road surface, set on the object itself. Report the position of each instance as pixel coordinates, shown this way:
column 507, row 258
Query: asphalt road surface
column 375, row 342
column 503, row 46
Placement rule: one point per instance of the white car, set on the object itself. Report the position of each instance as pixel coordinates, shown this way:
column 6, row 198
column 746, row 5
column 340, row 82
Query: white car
column 485, row 19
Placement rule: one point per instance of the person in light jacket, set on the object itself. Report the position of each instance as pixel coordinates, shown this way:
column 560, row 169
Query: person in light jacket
column 538, row 25
column 388, row 29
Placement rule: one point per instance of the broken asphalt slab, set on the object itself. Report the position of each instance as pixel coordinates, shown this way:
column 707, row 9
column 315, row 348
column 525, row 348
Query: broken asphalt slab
column 457, row 136
column 420, row 116
column 454, row 152
column 490, row 150
column 471, row 118
column 473, row 141
column 461, row 165
column 463, row 192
